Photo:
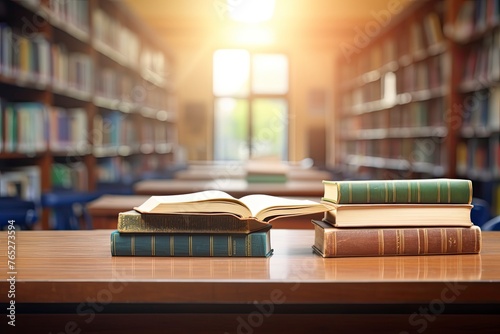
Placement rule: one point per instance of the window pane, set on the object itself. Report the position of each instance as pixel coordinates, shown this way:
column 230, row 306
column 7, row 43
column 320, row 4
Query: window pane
column 231, row 129
column 270, row 128
column 231, row 72
column 270, row 74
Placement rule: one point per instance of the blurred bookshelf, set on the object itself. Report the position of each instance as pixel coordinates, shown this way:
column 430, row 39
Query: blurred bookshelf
column 421, row 97
column 86, row 98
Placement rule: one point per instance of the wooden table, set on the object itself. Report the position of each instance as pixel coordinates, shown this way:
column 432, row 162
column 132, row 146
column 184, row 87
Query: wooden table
column 207, row 173
column 66, row 281
column 235, row 187
column 104, row 212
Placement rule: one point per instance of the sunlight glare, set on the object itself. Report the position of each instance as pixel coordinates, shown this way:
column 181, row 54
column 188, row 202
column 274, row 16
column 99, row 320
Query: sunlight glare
column 251, row 11
column 231, row 72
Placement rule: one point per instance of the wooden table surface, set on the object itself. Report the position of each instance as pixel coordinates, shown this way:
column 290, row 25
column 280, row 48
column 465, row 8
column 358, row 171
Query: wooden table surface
column 223, row 172
column 235, row 187
column 72, row 267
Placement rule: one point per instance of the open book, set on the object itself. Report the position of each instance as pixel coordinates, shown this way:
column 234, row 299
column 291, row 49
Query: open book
column 261, row 207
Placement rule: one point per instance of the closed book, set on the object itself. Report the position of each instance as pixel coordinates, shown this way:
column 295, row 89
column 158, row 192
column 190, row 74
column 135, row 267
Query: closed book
column 344, row 242
column 418, row 191
column 134, row 222
column 399, row 215
column 256, row 244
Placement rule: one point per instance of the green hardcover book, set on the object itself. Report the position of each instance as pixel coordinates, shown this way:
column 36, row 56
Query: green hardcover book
column 256, row 244
column 424, row 191
column 134, row 222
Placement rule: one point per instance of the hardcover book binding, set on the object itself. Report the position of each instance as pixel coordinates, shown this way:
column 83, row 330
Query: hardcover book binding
column 257, row 244
column 417, row 191
column 135, row 222
column 399, row 215
column 343, row 242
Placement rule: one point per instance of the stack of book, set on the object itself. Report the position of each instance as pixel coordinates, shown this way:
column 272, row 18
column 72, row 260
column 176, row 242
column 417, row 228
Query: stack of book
column 397, row 217
column 206, row 223
column 266, row 171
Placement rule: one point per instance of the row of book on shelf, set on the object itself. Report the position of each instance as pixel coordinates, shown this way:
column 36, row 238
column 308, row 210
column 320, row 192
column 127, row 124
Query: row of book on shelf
column 478, row 111
column 361, row 218
column 385, row 89
column 121, row 43
column 474, row 156
column 481, row 62
column 72, row 174
column 25, row 182
column 479, row 157
column 30, row 127
column 474, row 17
column 110, row 35
column 74, row 13
column 397, row 153
column 33, row 59
column 427, row 37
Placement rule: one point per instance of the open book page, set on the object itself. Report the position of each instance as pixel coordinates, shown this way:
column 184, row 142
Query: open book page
column 264, row 207
column 209, row 201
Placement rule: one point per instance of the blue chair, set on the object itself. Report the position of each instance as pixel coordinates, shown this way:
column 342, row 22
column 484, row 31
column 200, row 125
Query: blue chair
column 23, row 213
column 480, row 212
column 492, row 225
column 69, row 208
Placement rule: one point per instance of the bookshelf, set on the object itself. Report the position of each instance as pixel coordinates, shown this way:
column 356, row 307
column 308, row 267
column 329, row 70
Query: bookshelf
column 421, row 98
column 86, row 95
column 474, row 28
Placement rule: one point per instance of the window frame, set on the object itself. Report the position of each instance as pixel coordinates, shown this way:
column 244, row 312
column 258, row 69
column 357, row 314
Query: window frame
column 251, row 97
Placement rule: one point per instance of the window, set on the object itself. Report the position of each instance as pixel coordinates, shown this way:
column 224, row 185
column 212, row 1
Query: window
column 251, row 105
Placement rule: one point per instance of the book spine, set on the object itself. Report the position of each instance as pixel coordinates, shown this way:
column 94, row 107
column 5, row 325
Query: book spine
column 412, row 241
column 412, row 191
column 256, row 244
column 133, row 222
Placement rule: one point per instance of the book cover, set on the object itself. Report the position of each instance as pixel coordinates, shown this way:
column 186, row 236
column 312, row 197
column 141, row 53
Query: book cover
column 424, row 191
column 135, row 222
column 257, row 244
column 343, row 242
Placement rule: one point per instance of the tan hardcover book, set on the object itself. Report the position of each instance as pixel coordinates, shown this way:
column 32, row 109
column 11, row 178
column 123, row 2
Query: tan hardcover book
column 399, row 215
column 330, row 241
column 134, row 222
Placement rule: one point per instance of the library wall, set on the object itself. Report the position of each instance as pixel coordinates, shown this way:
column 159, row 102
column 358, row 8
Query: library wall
column 195, row 99
column 310, row 73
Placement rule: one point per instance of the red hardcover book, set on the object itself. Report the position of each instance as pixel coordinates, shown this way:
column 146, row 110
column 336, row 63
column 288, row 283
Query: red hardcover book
column 344, row 242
